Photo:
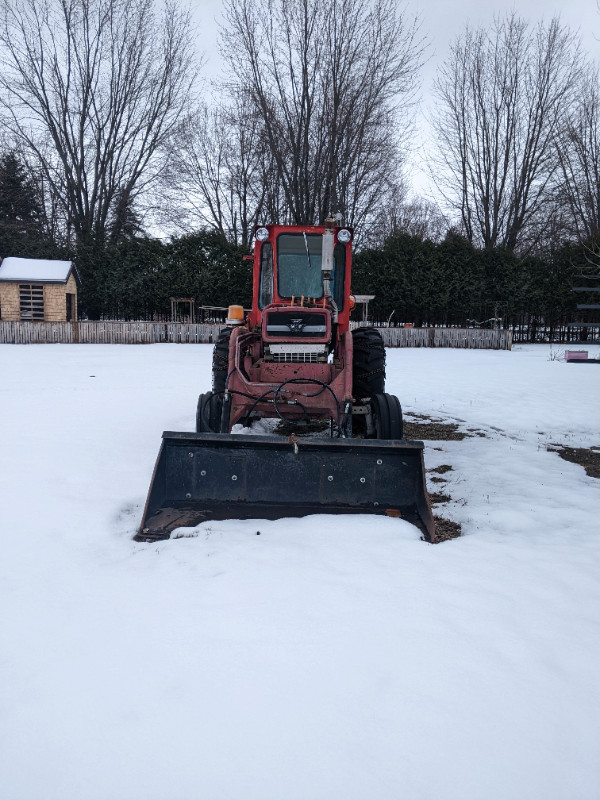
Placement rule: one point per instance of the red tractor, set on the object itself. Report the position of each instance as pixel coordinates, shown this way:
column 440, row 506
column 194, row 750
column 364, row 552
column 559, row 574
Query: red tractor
column 293, row 358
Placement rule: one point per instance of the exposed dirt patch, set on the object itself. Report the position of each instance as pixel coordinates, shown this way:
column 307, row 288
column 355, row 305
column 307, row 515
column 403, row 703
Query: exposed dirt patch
column 441, row 469
column 588, row 458
column 477, row 432
column 433, row 431
column 438, row 497
column 284, row 428
column 435, row 479
column 419, row 426
column 445, row 529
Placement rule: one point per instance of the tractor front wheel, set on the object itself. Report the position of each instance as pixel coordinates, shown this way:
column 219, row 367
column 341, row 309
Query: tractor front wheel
column 208, row 413
column 387, row 416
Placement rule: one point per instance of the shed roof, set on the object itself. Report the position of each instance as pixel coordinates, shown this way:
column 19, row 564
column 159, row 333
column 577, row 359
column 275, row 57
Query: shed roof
column 36, row 269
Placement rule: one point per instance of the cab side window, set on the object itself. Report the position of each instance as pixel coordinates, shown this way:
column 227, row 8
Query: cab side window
column 265, row 295
column 339, row 273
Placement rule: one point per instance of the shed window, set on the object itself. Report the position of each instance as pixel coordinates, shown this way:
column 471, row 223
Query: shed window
column 32, row 301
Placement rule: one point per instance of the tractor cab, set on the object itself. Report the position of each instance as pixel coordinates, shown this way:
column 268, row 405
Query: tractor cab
column 302, row 266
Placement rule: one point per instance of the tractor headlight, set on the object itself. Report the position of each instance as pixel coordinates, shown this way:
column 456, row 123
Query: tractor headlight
column 262, row 234
column 344, row 236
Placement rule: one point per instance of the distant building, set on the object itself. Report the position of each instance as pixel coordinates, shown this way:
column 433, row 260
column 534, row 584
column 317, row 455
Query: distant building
column 34, row 289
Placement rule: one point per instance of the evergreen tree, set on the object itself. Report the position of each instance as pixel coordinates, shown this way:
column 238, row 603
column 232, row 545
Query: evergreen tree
column 126, row 223
column 206, row 266
column 21, row 212
column 137, row 276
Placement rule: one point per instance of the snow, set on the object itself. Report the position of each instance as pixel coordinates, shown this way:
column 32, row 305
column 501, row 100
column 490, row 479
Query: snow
column 34, row 269
column 327, row 657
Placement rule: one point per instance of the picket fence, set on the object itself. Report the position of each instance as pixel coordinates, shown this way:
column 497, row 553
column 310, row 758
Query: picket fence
column 471, row 338
column 106, row 332
column 190, row 333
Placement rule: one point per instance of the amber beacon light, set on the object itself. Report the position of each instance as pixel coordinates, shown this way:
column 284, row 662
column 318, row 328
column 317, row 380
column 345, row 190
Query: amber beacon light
column 235, row 315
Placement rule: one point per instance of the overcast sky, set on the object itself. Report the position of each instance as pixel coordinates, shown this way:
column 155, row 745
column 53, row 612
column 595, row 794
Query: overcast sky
column 441, row 22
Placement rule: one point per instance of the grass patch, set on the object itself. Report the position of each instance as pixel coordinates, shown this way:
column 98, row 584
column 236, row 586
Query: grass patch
column 419, row 426
column 588, row 458
column 433, row 431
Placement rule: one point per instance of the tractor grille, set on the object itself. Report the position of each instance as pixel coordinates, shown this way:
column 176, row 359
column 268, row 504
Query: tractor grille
column 296, row 358
column 296, row 322
column 296, row 353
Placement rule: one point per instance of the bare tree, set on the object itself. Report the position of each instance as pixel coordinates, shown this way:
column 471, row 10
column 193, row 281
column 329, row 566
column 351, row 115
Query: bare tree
column 578, row 150
column 92, row 89
column 416, row 217
column 328, row 83
column 501, row 96
column 221, row 167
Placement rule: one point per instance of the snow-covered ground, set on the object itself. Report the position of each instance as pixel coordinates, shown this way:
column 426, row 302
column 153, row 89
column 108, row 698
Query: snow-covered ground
column 328, row 658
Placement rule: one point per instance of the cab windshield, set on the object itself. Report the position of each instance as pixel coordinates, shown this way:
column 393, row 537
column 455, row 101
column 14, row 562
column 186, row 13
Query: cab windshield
column 299, row 272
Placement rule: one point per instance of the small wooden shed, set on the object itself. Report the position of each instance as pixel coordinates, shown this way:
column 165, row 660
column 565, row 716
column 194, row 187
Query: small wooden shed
column 38, row 289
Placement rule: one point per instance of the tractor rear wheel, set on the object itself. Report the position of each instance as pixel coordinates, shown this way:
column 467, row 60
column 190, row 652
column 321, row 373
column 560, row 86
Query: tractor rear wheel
column 368, row 368
column 387, row 416
column 208, row 413
column 220, row 362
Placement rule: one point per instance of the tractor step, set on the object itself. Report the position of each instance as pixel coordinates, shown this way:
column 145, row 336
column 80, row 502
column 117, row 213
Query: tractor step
column 202, row 476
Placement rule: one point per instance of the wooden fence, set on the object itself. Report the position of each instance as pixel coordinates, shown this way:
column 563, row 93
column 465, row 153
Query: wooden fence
column 471, row 338
column 105, row 332
column 176, row 332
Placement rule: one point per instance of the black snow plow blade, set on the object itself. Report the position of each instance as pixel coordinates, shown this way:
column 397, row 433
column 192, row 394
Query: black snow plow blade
column 203, row 476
